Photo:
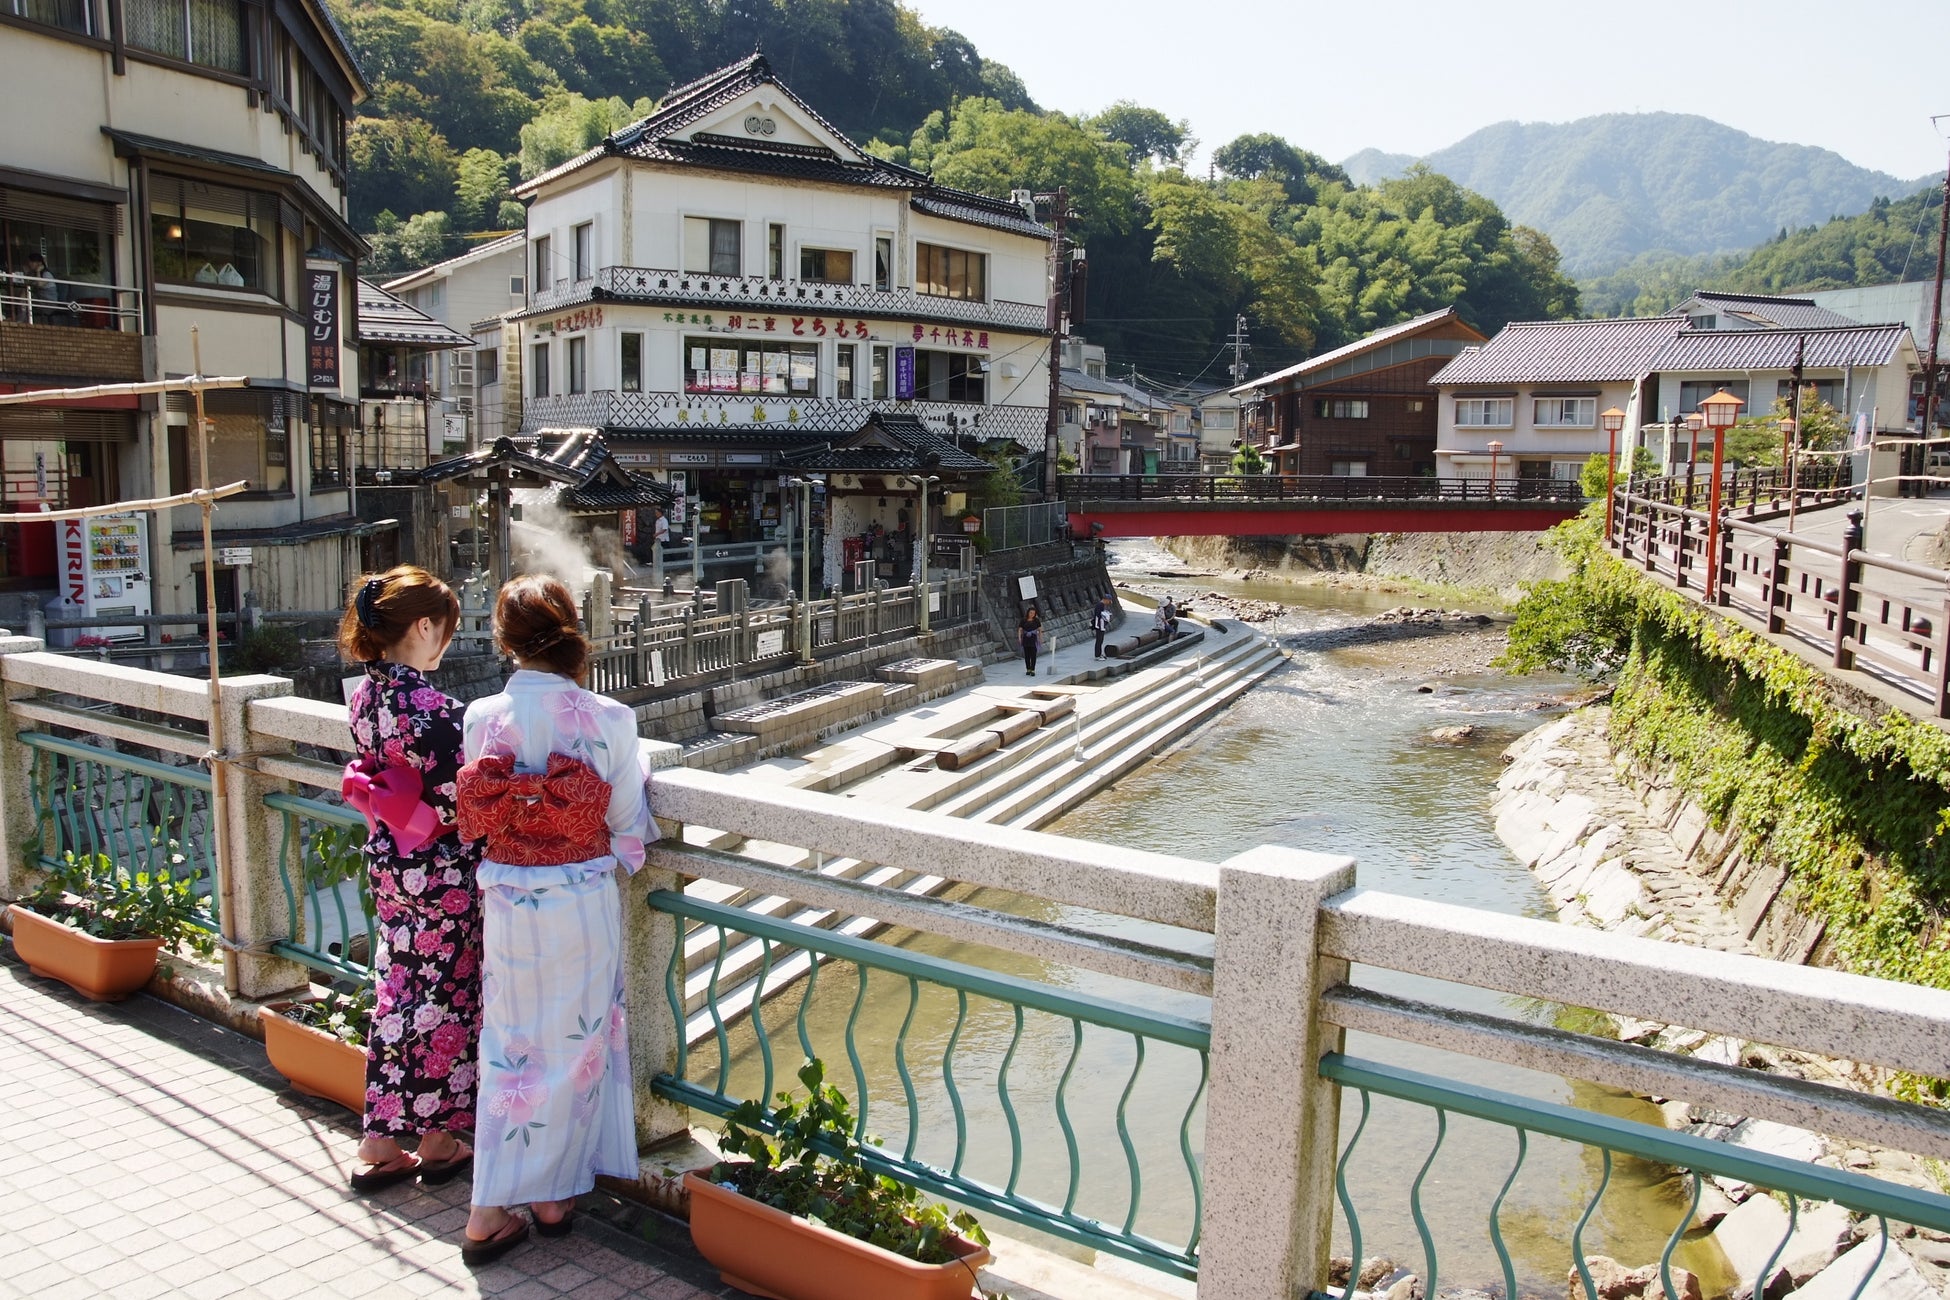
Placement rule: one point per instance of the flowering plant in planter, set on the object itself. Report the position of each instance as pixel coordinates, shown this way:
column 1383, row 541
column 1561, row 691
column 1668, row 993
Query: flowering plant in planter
column 810, row 1167
column 99, row 927
column 344, row 1016
column 98, row 896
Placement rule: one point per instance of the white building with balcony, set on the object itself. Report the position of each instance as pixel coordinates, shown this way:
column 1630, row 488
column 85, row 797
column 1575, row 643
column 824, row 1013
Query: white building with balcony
column 731, row 280
column 179, row 163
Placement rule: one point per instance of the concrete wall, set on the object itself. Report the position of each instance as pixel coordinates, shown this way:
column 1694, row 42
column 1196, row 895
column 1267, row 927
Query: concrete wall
column 1068, row 586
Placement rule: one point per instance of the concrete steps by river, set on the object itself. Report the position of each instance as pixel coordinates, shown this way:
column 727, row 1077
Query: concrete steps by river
column 1118, row 725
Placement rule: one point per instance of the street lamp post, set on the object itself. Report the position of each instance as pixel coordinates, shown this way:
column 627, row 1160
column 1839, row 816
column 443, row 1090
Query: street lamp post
column 1613, row 420
column 1791, row 464
column 924, row 483
column 1496, row 449
column 1721, row 410
column 1694, row 423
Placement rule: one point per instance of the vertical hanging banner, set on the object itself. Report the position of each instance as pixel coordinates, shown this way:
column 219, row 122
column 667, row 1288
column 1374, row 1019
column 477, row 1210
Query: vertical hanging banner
column 903, row 373
column 322, row 328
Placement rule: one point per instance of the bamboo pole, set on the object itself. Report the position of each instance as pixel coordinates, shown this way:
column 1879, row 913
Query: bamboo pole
column 195, row 382
column 219, row 761
column 124, row 507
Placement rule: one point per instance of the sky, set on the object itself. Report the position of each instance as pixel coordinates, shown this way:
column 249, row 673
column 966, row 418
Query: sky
column 1410, row 76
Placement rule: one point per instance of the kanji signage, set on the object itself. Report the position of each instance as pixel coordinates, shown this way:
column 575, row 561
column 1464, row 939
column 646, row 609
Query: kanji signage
column 903, row 373
column 570, row 322
column 322, row 328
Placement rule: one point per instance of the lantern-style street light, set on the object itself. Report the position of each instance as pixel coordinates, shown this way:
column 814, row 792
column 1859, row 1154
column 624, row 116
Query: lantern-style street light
column 1613, row 420
column 1694, row 423
column 1721, row 410
column 1496, row 449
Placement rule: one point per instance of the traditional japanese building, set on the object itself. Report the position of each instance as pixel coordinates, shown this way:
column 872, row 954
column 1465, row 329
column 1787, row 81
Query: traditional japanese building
column 732, row 280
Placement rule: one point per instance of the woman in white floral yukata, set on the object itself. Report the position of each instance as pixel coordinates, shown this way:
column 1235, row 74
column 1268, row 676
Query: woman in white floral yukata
column 420, row 1055
column 554, row 786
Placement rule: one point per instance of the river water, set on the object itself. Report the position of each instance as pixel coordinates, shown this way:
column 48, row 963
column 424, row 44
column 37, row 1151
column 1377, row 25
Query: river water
column 1332, row 755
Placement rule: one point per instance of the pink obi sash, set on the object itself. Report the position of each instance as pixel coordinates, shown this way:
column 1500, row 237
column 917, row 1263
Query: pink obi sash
column 535, row 819
column 394, row 797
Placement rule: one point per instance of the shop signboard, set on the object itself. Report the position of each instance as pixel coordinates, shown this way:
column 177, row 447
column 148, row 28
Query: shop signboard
column 903, row 374
column 322, row 328
column 680, row 484
column 745, row 458
column 626, row 525
column 689, row 458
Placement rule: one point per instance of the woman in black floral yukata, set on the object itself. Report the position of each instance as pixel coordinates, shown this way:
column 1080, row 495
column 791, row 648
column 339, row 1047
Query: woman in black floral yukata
column 421, row 1054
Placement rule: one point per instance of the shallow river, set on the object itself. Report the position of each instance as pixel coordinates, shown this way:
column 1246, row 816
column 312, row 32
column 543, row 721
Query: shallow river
column 1331, row 755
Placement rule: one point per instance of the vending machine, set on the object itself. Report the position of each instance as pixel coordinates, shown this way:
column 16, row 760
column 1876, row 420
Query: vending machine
column 105, row 572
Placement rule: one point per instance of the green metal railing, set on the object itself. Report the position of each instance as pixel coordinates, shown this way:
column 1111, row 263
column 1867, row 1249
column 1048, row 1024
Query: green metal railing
column 788, row 951
column 1694, row 1157
column 326, row 887
column 138, row 812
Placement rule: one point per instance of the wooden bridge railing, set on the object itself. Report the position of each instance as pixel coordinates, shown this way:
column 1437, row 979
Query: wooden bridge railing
column 1863, row 613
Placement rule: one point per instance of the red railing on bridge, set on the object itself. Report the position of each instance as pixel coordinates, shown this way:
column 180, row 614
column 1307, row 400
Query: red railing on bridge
column 1310, row 488
column 1861, row 613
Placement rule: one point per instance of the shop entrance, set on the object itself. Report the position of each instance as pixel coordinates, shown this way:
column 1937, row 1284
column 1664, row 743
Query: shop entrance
column 55, row 474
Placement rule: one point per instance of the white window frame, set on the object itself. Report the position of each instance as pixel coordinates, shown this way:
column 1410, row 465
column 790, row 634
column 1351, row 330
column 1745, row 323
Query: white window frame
column 1584, row 412
column 800, row 264
column 538, row 369
column 582, row 242
column 1480, row 408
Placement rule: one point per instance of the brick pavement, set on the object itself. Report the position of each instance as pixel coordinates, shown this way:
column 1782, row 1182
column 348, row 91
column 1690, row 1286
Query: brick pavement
column 147, row 1153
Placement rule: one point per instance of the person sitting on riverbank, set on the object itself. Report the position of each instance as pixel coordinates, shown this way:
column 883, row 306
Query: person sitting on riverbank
column 1166, row 619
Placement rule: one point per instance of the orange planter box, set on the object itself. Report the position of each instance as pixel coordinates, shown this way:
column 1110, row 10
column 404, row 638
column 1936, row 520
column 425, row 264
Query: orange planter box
column 770, row 1253
column 317, row 1064
column 102, row 970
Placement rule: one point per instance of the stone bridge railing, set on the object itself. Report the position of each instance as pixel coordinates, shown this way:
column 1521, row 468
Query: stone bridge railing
column 1219, row 994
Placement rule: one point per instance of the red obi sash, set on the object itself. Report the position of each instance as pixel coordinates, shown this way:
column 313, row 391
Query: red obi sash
column 394, row 797
column 535, row 819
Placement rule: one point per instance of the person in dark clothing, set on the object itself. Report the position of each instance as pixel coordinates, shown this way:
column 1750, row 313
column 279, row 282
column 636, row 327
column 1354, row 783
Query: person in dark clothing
column 1029, row 635
column 1100, row 624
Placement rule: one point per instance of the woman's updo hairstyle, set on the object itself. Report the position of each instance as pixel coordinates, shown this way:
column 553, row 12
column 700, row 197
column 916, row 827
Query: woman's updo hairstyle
column 536, row 621
column 382, row 606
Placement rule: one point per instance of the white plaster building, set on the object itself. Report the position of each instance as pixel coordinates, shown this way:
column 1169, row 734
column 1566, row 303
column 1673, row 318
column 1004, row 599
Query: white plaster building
column 470, row 293
column 732, row 280
column 1538, row 388
column 181, row 163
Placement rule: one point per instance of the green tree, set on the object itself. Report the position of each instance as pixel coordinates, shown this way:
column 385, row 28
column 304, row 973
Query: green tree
column 401, row 247
column 398, row 160
column 987, row 148
column 1247, row 460
column 1640, row 464
column 570, row 125
column 480, row 188
column 1147, row 132
column 1581, row 623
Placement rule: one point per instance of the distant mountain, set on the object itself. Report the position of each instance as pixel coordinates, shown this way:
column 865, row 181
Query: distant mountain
column 1608, row 188
column 1372, row 166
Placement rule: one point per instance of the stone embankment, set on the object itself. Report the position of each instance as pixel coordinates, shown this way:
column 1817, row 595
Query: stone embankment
column 1619, row 849
column 1494, row 564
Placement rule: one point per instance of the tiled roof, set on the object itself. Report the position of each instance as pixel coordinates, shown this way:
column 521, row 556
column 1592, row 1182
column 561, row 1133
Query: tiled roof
column 1781, row 313
column 1627, row 349
column 386, row 319
column 1773, row 349
column 581, row 463
column 1567, row 352
column 979, row 210
column 653, row 140
column 1380, row 338
column 888, row 444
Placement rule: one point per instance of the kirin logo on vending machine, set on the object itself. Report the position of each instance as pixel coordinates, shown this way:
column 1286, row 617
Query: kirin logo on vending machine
column 74, row 560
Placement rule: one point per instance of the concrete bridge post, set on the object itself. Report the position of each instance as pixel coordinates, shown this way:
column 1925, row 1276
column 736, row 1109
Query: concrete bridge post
column 1271, row 1129
column 18, row 824
column 650, row 938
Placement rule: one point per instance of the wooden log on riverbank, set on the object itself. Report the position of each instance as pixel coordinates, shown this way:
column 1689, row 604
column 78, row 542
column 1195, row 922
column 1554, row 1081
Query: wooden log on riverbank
column 967, row 750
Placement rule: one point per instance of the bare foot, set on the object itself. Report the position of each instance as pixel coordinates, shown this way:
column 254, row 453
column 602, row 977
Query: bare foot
column 486, row 1221
column 380, row 1151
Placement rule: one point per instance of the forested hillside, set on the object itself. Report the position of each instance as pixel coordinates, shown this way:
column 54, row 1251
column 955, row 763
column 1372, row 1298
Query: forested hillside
column 470, row 95
column 1612, row 187
column 1892, row 241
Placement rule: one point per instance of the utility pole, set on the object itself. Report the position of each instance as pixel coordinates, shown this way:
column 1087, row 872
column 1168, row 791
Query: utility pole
column 1057, row 320
column 1239, row 349
column 1936, row 318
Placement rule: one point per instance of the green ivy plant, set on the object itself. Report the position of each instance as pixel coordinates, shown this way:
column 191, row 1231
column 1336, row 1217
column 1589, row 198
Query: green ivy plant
column 98, row 896
column 344, row 1016
column 801, row 1156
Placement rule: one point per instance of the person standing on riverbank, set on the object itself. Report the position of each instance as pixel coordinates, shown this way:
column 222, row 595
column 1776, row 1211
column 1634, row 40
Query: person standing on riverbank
column 1029, row 635
column 1100, row 624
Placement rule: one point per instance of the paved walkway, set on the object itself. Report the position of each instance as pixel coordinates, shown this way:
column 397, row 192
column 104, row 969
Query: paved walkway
column 147, row 1153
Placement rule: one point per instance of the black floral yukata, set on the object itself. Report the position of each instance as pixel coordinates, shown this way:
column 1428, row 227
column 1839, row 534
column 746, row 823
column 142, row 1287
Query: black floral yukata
column 421, row 1053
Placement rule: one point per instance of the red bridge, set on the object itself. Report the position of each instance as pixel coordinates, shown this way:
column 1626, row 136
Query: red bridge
column 1287, row 505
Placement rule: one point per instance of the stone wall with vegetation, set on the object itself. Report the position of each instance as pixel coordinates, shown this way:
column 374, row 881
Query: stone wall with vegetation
column 1848, row 800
